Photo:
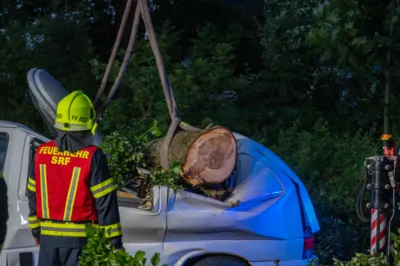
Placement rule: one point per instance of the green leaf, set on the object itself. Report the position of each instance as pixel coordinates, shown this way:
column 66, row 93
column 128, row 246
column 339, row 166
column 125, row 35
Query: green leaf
column 139, row 255
column 175, row 167
column 155, row 260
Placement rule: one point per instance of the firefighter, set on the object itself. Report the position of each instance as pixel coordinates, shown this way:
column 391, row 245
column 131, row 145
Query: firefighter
column 70, row 186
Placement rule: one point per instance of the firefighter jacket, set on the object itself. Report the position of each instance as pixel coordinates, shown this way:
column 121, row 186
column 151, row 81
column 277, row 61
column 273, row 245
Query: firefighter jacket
column 66, row 191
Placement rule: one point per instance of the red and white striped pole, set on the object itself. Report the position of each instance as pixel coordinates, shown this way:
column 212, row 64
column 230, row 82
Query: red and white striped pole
column 382, row 182
column 378, row 231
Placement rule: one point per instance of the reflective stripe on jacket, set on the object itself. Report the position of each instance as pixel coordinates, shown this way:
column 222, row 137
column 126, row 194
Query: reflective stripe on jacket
column 69, row 229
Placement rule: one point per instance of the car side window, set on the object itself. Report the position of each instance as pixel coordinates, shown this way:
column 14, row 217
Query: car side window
column 3, row 149
column 35, row 143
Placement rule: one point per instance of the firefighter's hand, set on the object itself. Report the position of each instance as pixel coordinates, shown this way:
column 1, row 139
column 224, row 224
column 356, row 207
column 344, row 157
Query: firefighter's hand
column 117, row 243
column 37, row 241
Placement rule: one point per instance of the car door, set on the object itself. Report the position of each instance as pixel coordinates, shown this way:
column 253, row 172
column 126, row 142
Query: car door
column 23, row 250
column 19, row 247
column 144, row 229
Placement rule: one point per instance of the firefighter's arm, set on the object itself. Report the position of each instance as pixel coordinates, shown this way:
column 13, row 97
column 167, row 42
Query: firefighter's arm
column 104, row 191
column 34, row 224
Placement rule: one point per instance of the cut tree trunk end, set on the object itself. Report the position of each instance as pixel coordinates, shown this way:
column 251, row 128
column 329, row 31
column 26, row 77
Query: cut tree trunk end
column 207, row 157
column 211, row 158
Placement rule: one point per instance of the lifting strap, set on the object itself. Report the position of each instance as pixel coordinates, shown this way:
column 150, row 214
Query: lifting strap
column 143, row 11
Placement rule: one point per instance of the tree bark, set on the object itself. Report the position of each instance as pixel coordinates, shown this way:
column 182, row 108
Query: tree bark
column 177, row 148
column 207, row 157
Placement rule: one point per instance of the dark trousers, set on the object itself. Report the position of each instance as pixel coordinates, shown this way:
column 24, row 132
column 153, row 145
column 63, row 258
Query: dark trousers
column 52, row 256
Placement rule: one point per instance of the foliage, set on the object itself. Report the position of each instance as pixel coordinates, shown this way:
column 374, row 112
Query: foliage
column 351, row 55
column 126, row 153
column 199, row 81
column 328, row 163
column 140, row 92
column 338, row 239
column 167, row 178
column 127, row 150
column 207, row 74
column 123, row 157
column 331, row 166
column 28, row 44
column 380, row 260
column 283, row 90
column 99, row 251
column 363, row 259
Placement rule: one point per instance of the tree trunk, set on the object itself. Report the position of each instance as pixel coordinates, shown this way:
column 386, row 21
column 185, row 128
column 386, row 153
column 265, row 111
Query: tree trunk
column 177, row 148
column 207, row 157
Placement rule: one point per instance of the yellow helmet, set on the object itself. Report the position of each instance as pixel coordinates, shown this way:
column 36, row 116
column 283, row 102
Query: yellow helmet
column 75, row 112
